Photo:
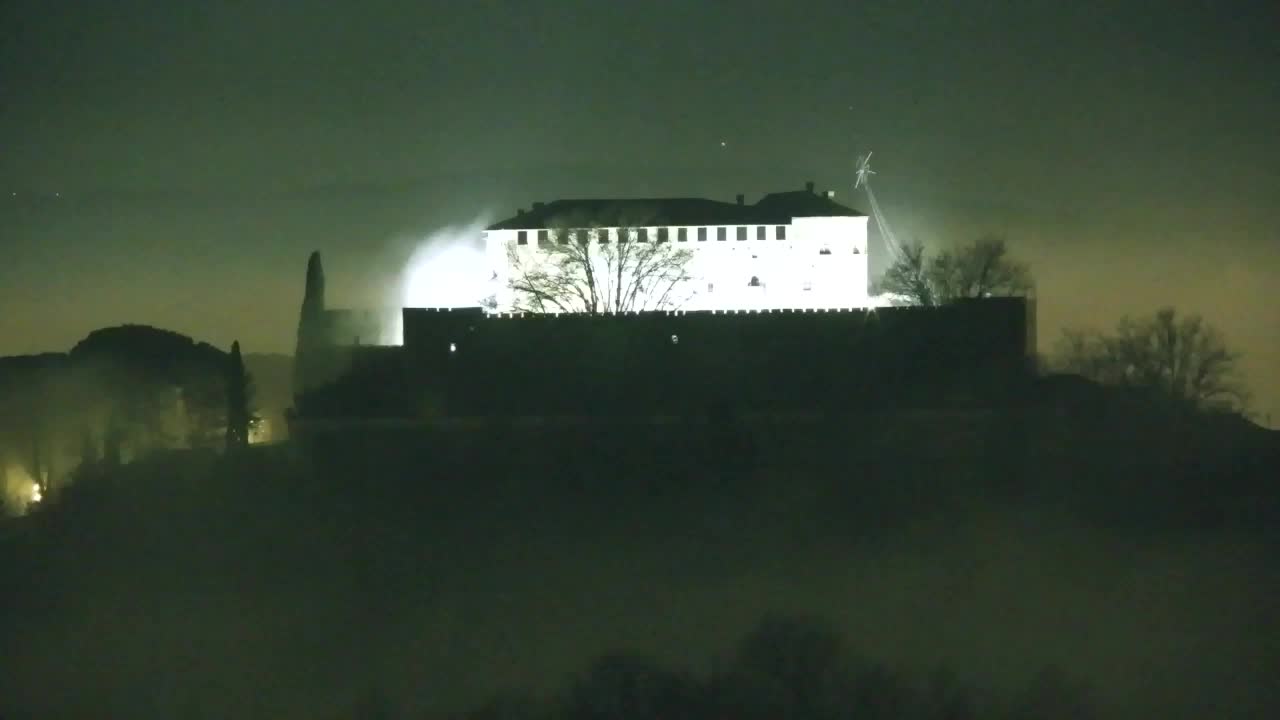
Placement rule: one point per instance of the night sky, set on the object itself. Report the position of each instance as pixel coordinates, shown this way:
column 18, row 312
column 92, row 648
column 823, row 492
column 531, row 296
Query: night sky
column 173, row 163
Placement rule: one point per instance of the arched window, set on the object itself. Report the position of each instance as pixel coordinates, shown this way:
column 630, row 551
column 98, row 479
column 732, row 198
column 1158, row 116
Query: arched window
column 755, row 282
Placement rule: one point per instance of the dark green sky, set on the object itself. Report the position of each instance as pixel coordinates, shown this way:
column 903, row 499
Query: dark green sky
column 173, row 163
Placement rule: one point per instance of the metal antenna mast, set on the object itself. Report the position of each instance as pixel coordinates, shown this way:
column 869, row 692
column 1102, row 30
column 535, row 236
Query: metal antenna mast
column 863, row 174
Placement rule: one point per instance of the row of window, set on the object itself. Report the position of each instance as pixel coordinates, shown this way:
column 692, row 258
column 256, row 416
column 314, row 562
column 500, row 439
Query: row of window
column 663, row 234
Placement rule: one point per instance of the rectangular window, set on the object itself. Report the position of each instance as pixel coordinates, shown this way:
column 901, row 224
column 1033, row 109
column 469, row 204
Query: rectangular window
column 682, row 235
column 760, row 232
column 742, row 232
column 722, row 233
column 780, row 232
column 642, row 235
column 602, row 235
column 662, row 235
column 702, row 234
column 581, row 237
column 522, row 237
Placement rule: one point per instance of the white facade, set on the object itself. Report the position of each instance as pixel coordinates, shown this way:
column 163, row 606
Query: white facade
column 808, row 263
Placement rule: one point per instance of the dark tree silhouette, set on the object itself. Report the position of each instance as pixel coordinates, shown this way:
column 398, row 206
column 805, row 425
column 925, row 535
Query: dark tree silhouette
column 311, row 340
column 980, row 269
column 119, row 393
column 1182, row 360
column 621, row 686
column 791, row 666
column 787, row 667
column 88, row 446
column 150, row 378
column 239, row 415
column 585, row 270
column 908, row 277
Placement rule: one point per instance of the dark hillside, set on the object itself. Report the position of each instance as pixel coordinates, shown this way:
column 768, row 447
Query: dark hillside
column 437, row 568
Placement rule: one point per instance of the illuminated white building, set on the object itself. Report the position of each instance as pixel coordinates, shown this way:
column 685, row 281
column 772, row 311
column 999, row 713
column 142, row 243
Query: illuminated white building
column 789, row 250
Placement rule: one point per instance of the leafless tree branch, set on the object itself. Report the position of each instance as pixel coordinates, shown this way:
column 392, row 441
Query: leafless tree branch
column 582, row 270
column 1185, row 360
column 981, row 269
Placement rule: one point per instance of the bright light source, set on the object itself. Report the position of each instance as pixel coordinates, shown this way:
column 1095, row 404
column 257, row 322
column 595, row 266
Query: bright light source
column 36, row 495
column 259, row 431
column 675, row 339
column 448, row 269
column 453, row 347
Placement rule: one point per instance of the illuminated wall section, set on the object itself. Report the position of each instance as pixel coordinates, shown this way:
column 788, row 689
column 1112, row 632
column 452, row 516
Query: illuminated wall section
column 808, row 263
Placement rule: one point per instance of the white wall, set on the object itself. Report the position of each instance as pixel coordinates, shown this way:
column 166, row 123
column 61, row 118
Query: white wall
column 793, row 273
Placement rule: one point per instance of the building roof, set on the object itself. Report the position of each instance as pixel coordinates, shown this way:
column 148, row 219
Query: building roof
column 773, row 209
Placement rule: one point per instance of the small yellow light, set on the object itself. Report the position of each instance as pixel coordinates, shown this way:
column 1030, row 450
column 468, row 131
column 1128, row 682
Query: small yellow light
column 36, row 495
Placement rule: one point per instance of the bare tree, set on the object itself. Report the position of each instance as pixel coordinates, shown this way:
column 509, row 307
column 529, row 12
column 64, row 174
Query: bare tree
column 595, row 271
column 982, row 268
column 1183, row 359
column 908, row 277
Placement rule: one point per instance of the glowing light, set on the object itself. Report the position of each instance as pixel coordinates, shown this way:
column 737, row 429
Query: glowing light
column 260, row 432
column 453, row 347
column 888, row 300
column 448, row 269
column 19, row 489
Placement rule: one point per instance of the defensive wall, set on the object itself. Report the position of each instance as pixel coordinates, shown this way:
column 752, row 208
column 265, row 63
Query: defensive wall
column 466, row 363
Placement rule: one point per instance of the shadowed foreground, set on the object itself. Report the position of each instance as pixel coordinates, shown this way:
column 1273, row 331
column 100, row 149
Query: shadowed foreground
column 861, row 567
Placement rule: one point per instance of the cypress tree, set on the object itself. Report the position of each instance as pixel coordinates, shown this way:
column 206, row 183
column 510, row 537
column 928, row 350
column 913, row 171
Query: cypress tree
column 237, row 401
column 309, row 327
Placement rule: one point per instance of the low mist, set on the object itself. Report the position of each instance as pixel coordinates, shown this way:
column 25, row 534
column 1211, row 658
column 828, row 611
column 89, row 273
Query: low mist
column 441, row 570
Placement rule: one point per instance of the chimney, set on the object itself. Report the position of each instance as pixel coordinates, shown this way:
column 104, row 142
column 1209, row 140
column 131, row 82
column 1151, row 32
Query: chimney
column 808, row 187
column 519, row 212
column 742, row 199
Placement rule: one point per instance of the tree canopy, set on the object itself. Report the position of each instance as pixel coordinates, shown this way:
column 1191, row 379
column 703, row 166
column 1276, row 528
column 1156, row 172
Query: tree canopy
column 1182, row 359
column 982, row 268
column 162, row 355
column 120, row 392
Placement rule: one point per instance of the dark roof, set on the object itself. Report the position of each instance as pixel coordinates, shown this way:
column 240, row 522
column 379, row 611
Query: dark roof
column 774, row 208
column 802, row 203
